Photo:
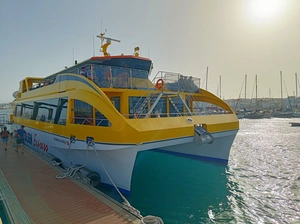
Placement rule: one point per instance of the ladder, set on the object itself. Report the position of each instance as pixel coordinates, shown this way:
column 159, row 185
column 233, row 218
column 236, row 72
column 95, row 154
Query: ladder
column 144, row 104
column 174, row 105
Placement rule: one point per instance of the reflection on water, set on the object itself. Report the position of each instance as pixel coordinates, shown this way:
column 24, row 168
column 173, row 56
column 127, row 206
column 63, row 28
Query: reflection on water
column 260, row 184
column 264, row 164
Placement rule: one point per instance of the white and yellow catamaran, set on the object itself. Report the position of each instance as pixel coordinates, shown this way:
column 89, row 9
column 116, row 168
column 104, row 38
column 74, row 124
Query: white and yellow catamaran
column 100, row 113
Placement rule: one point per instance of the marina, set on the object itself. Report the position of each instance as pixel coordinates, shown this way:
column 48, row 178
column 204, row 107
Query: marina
column 169, row 112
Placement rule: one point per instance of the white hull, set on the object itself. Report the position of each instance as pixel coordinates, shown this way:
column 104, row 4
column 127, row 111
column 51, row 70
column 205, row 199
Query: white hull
column 118, row 160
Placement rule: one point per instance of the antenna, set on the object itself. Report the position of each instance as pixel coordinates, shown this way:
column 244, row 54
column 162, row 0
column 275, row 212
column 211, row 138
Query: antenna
column 93, row 47
column 73, row 55
column 103, row 47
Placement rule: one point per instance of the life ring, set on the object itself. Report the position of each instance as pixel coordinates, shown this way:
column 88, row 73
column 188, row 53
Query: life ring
column 159, row 84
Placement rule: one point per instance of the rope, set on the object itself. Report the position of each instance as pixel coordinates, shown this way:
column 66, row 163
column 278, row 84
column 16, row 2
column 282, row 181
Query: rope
column 126, row 203
column 149, row 219
column 54, row 163
column 71, row 172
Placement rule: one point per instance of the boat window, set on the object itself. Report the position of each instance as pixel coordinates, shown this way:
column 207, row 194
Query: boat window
column 176, row 106
column 204, row 108
column 116, row 102
column 139, row 79
column 120, row 77
column 160, row 109
column 27, row 110
column 18, row 110
column 109, row 76
column 101, row 120
column 47, row 110
column 102, row 76
column 135, row 104
column 83, row 113
column 61, row 112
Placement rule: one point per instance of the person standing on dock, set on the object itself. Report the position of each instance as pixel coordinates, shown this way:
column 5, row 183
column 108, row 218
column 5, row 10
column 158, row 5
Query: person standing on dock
column 4, row 136
column 21, row 133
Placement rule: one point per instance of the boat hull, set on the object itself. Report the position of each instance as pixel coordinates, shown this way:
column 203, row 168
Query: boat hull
column 116, row 162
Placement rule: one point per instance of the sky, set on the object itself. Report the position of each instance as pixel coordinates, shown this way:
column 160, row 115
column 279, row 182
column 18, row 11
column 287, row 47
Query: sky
column 231, row 38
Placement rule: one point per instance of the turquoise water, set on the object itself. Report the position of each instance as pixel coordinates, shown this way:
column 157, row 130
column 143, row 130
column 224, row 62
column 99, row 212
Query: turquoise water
column 260, row 184
column 3, row 215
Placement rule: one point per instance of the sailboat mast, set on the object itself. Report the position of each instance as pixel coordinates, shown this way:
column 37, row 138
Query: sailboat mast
column 281, row 89
column 245, row 90
column 220, row 86
column 296, row 80
column 206, row 77
column 270, row 98
column 255, row 92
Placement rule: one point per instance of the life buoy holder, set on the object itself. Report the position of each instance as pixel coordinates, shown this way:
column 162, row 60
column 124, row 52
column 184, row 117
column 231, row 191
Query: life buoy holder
column 159, row 84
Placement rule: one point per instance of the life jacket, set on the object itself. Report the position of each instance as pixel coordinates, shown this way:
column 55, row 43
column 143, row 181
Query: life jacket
column 4, row 134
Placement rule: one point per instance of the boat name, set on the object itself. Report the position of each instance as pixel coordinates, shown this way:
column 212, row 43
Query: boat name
column 39, row 144
column 61, row 141
column 28, row 138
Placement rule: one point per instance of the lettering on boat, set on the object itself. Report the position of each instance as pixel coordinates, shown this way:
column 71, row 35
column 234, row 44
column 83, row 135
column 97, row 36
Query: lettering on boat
column 28, row 138
column 61, row 141
column 40, row 144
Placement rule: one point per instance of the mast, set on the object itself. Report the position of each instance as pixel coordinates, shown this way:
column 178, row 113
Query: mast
column 255, row 92
column 245, row 87
column 245, row 90
column 296, row 96
column 220, row 86
column 104, row 46
column 281, row 89
column 296, row 79
column 206, row 77
column 270, row 98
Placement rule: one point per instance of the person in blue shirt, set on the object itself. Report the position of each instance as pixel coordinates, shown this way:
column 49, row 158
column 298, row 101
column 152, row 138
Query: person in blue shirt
column 21, row 133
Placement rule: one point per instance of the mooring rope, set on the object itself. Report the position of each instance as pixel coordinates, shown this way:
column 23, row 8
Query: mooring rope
column 144, row 220
column 55, row 163
column 150, row 219
column 70, row 172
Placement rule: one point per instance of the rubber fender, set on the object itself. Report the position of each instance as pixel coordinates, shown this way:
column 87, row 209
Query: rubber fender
column 95, row 178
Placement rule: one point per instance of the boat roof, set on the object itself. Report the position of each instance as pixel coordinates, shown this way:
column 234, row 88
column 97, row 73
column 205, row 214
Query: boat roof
column 124, row 61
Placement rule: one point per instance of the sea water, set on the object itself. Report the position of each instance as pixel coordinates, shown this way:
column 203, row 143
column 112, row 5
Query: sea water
column 260, row 184
column 3, row 214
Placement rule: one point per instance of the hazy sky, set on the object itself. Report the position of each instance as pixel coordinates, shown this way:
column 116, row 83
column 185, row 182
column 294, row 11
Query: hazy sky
column 232, row 38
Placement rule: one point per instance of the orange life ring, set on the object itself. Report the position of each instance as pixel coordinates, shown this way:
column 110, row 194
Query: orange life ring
column 159, row 84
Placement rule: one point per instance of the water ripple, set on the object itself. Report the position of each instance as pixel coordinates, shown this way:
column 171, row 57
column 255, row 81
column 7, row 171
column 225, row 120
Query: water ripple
column 264, row 165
